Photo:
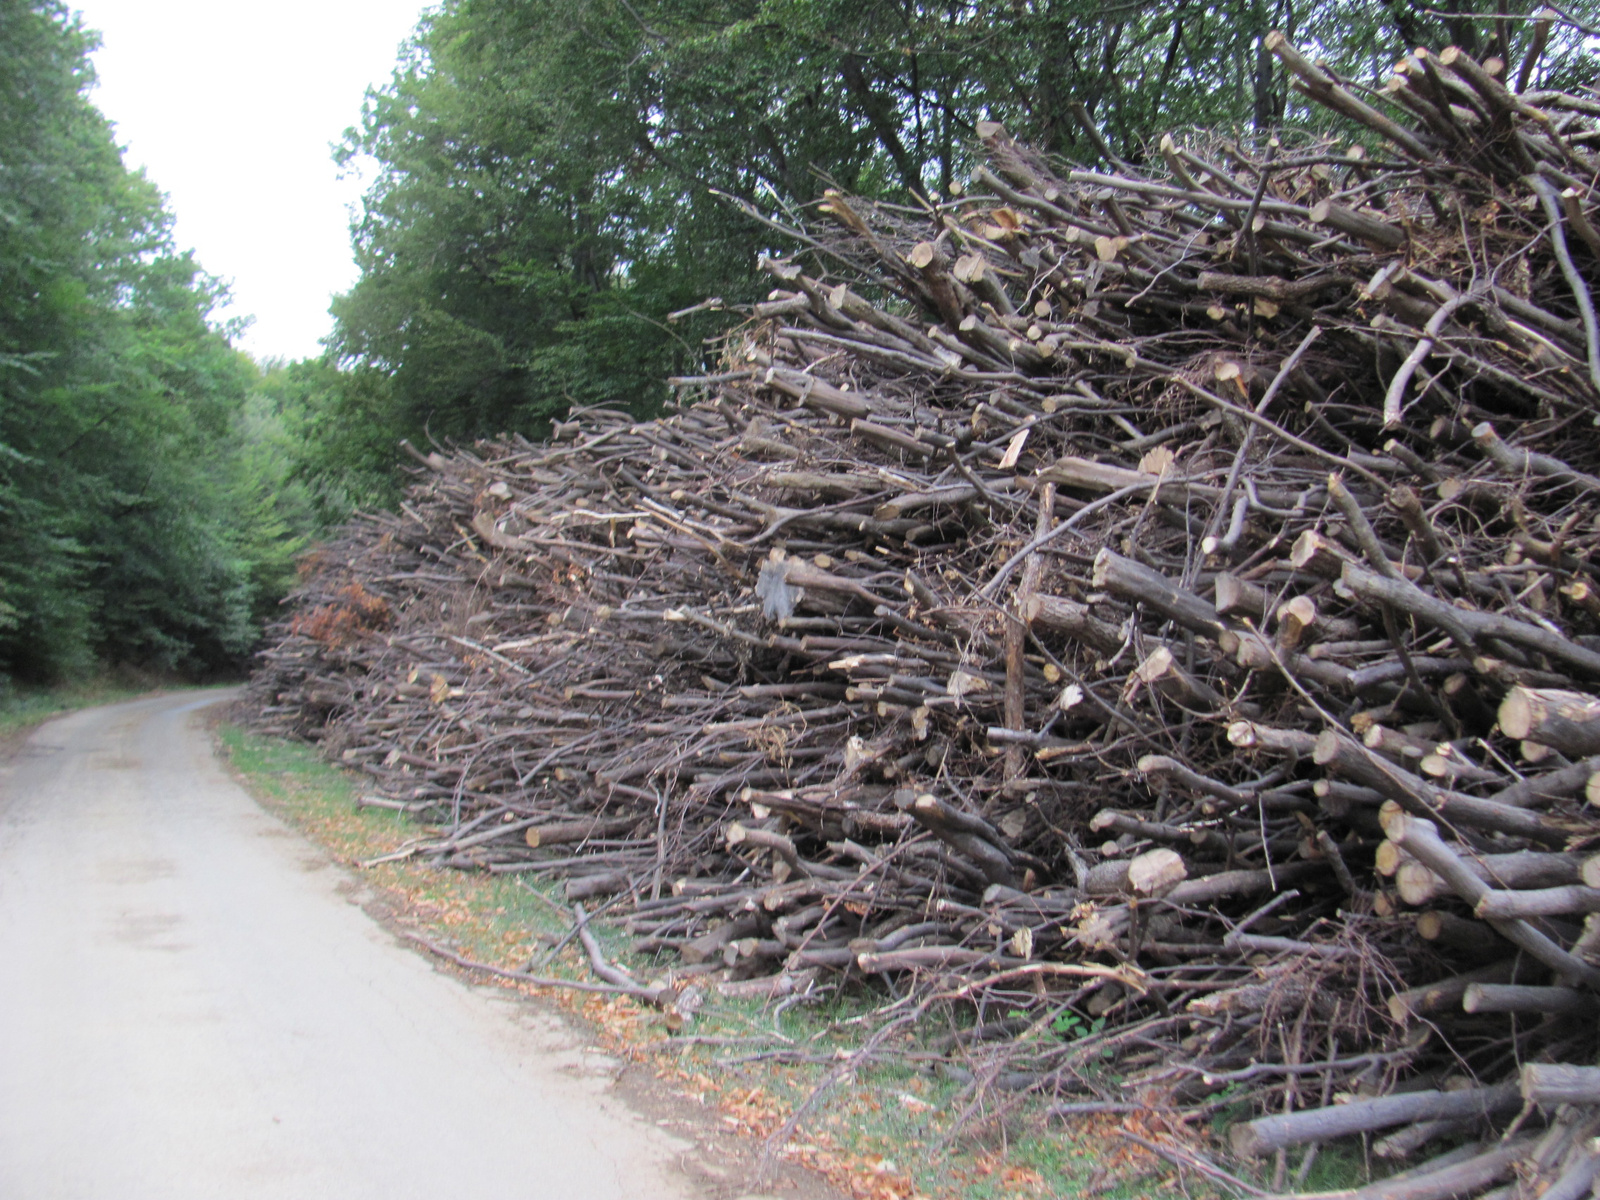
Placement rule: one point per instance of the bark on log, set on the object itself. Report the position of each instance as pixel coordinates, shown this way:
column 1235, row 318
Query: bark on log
column 1345, row 757
column 1445, row 994
column 1420, row 838
column 560, row 833
column 973, row 837
column 1577, row 1181
column 709, row 945
column 1236, row 597
column 1252, row 1139
column 1542, row 790
column 1134, row 581
column 1461, row 933
column 1160, row 671
column 1563, row 720
column 1073, row 619
column 1402, row 1143
column 1232, row 884
column 1502, row 997
column 1538, row 902
column 1522, row 869
column 1464, row 625
column 587, row 887
column 1464, row 1177
column 1153, row 873
column 1560, row 1083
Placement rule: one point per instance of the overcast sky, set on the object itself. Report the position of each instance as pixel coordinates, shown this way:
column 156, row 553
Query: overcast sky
column 232, row 108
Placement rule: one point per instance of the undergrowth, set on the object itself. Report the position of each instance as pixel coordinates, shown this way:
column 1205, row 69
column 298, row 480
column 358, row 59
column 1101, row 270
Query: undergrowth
column 22, row 706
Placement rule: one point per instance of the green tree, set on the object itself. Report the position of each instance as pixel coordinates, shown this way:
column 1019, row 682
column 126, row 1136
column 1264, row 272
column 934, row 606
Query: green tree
column 326, row 438
column 126, row 499
column 550, row 173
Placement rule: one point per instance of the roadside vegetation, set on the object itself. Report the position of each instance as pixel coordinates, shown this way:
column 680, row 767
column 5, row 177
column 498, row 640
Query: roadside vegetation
column 144, row 519
column 22, row 707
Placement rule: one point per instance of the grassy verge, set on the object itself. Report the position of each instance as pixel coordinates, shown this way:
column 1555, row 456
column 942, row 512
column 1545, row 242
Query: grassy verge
column 21, row 708
column 887, row 1132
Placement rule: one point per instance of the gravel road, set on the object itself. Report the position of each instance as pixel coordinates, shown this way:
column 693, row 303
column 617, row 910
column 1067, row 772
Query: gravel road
column 191, row 1006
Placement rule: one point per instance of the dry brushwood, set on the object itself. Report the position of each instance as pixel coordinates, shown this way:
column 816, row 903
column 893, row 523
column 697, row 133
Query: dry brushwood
column 1157, row 612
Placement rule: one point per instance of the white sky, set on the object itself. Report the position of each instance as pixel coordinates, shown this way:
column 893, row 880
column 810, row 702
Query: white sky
column 232, row 107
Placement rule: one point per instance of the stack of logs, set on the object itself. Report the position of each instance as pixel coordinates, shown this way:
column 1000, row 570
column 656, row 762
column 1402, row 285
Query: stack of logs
column 1157, row 610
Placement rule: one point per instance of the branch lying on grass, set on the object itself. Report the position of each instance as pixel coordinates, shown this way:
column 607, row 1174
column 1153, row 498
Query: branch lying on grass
column 469, row 964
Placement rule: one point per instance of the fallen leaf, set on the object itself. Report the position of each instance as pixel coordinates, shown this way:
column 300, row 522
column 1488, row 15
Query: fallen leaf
column 1022, row 943
column 961, row 682
column 1157, row 461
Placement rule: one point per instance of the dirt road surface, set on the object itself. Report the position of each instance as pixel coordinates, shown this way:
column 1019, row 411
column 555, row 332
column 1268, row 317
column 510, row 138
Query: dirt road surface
column 190, row 1007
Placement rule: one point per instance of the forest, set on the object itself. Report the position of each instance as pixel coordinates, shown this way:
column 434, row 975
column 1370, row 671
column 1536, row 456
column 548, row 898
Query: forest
column 144, row 514
column 571, row 204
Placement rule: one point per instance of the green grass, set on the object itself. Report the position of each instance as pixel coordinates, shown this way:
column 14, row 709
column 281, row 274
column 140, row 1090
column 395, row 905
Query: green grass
column 890, row 1116
column 22, row 707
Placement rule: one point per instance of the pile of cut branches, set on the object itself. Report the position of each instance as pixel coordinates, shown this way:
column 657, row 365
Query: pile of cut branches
column 1154, row 613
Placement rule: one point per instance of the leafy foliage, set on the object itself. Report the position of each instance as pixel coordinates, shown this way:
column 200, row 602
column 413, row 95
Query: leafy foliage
column 137, row 520
column 550, row 173
column 327, row 438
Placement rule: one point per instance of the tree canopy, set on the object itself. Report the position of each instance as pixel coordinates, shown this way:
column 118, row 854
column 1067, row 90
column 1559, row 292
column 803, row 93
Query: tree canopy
column 552, row 174
column 137, row 521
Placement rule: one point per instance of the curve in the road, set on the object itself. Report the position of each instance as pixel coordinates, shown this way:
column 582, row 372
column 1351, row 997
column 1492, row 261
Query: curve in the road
column 190, row 1008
